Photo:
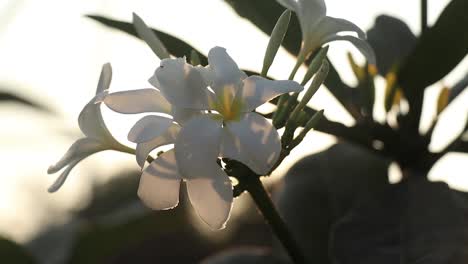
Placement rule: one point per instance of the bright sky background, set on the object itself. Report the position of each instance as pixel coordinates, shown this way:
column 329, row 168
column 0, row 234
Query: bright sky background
column 51, row 54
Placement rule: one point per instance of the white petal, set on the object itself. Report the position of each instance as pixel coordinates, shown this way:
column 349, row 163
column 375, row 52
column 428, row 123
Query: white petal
column 197, row 146
column 137, row 101
column 360, row 44
column 160, row 183
column 105, row 78
column 252, row 141
column 145, row 33
column 182, row 115
column 227, row 77
column 79, row 149
column 91, row 122
column 63, row 176
column 330, row 26
column 148, row 127
column 181, row 84
column 309, row 13
column 257, row 91
column 144, row 149
column 212, row 198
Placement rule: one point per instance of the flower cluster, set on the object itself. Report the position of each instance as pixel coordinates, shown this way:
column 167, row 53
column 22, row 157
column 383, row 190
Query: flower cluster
column 206, row 113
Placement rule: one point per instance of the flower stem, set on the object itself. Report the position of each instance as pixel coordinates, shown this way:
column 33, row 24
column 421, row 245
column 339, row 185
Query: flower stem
column 255, row 187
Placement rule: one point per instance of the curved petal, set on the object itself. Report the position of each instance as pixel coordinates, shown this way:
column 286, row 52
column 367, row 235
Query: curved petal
column 148, row 127
column 258, row 90
column 212, row 198
column 227, row 77
column 137, row 101
column 197, row 147
column 252, row 141
column 160, row 183
column 91, row 122
column 181, row 84
column 309, row 13
column 81, row 148
column 105, row 78
column 330, row 26
column 145, row 148
column 360, row 44
column 63, row 176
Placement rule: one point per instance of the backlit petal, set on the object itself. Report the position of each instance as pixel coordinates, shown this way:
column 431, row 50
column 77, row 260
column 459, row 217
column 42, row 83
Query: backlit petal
column 160, row 183
column 91, row 122
column 257, row 91
column 63, row 176
column 252, row 141
column 360, row 44
column 212, row 198
column 137, row 101
column 148, row 128
column 144, row 149
column 81, row 148
column 105, row 78
column 147, row 35
column 330, row 26
column 197, row 147
column 181, row 84
column 227, row 77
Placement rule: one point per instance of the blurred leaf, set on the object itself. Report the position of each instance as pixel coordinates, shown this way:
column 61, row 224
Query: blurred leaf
column 392, row 40
column 321, row 188
column 12, row 98
column 11, row 252
column 174, row 45
column 436, row 53
column 415, row 221
column 264, row 14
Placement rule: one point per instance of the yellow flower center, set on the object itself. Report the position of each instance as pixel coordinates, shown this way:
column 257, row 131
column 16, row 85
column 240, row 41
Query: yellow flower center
column 227, row 105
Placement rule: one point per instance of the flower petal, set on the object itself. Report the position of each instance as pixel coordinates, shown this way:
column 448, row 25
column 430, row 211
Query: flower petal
column 63, row 176
column 330, row 26
column 212, row 198
column 182, row 115
column 227, row 77
column 197, row 147
column 160, row 183
column 137, row 101
column 105, row 78
column 145, row 148
column 360, row 44
column 252, row 141
column 148, row 127
column 181, row 84
column 257, row 91
column 79, row 149
column 309, row 13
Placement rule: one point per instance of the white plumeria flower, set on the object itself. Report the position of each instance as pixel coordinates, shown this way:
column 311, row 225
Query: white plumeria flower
column 229, row 130
column 318, row 29
column 98, row 137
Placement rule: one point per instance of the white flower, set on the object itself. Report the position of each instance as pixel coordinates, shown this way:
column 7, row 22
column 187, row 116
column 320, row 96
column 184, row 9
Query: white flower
column 98, row 137
column 318, row 29
column 229, row 130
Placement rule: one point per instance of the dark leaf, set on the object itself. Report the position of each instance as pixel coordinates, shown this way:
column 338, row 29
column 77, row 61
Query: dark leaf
column 458, row 88
column 12, row 98
column 11, row 252
column 416, row 221
column 323, row 187
column 174, row 45
column 392, row 40
column 436, row 53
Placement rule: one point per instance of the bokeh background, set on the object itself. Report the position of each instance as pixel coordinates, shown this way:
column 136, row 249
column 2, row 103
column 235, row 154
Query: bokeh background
column 51, row 55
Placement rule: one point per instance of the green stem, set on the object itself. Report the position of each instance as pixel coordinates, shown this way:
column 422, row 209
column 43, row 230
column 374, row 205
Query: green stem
column 264, row 203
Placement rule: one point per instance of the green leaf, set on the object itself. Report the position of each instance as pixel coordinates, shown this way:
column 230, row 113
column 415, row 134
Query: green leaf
column 277, row 36
column 436, row 53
